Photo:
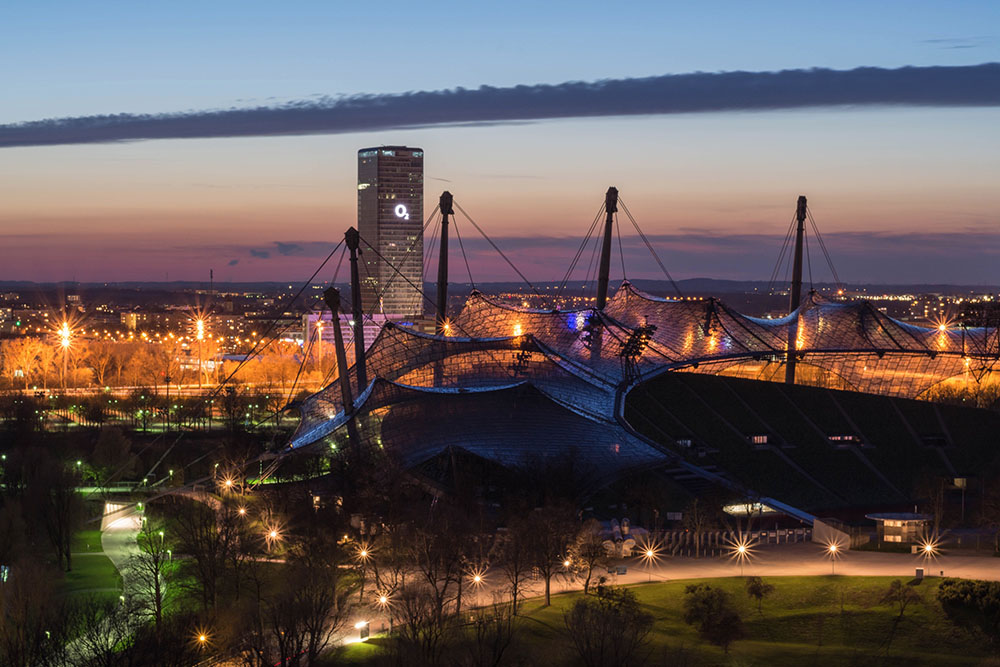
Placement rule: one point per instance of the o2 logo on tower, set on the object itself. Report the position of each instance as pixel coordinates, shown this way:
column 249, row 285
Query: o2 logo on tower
column 401, row 212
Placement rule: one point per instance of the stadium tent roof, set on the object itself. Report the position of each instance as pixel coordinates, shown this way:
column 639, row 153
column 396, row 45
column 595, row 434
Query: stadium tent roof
column 574, row 361
column 512, row 425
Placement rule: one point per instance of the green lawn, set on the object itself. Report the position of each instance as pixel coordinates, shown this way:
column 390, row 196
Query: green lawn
column 87, row 541
column 807, row 620
column 91, row 571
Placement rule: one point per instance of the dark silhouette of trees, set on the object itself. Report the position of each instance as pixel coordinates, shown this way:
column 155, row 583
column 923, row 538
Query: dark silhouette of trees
column 492, row 631
column 548, row 531
column 587, row 552
column 292, row 616
column 148, row 570
column 53, row 497
column 758, row 589
column 609, row 629
column 698, row 518
column 33, row 630
column 712, row 612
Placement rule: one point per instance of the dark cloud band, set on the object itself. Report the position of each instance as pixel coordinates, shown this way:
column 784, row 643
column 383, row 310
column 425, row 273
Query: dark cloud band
column 973, row 85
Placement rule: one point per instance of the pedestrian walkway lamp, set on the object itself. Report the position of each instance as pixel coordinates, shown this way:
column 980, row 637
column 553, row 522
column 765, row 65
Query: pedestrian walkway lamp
column 833, row 551
column 650, row 554
column 478, row 577
column 741, row 550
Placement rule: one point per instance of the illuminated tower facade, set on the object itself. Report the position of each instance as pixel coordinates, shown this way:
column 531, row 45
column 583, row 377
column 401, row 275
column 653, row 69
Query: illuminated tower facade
column 390, row 218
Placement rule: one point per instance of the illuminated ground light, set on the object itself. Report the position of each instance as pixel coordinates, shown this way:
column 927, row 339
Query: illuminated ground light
column 477, row 576
column 741, row 550
column 363, row 553
column 201, row 638
column 833, row 551
column 272, row 535
column 929, row 548
column 649, row 552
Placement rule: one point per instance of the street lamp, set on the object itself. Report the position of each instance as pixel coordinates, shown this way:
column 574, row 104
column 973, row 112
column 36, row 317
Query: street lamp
column 272, row 534
column 833, row 552
column 650, row 555
column 478, row 577
column 64, row 335
column 200, row 335
column 741, row 550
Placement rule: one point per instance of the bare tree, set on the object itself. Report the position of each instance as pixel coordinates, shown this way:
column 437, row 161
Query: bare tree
column 548, row 531
column 53, row 496
column 106, row 630
column 147, row 570
column 587, row 552
column 492, row 632
column 609, row 629
column 697, row 519
column 420, row 630
column 512, row 554
column 31, row 627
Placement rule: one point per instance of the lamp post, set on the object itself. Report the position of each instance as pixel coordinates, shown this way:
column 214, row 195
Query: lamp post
column 166, row 379
column 64, row 336
column 319, row 348
column 834, row 551
column 200, row 334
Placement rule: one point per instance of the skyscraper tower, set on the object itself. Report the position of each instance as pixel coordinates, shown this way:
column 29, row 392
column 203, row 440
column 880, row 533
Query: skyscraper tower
column 390, row 218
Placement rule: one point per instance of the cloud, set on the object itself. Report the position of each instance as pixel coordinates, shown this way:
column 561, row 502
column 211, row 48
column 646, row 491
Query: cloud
column 971, row 85
column 234, row 262
column 288, row 248
column 263, row 254
column 958, row 42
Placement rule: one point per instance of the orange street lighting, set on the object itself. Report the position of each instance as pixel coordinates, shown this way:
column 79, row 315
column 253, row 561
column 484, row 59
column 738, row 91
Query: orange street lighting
column 242, row 511
column 478, row 578
column 833, row 552
column 650, row 554
column 929, row 547
column 741, row 550
column 272, row 534
column 363, row 552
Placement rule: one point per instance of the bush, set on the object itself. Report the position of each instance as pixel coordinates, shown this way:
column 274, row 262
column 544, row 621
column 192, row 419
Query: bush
column 609, row 629
column 712, row 611
column 971, row 602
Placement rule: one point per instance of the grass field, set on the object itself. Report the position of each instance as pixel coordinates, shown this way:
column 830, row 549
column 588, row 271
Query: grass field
column 806, row 621
column 90, row 572
column 87, row 541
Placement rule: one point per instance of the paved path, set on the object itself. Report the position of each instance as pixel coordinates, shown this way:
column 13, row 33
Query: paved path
column 809, row 559
column 118, row 541
column 805, row 559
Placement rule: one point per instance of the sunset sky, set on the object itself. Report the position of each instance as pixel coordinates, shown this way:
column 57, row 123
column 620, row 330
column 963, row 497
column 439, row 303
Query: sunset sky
column 903, row 193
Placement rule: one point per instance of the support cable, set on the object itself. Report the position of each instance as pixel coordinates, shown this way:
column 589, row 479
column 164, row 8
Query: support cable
column 464, row 256
column 319, row 333
column 270, row 327
column 497, row 248
column 781, row 255
column 429, row 250
column 579, row 251
column 431, row 301
column 649, row 246
column 590, row 277
column 621, row 250
column 809, row 264
column 822, row 245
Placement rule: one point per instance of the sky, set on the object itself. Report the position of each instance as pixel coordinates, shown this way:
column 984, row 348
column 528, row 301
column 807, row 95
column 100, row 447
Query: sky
column 901, row 178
